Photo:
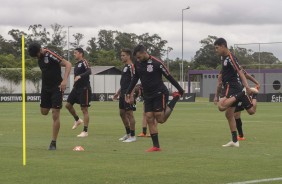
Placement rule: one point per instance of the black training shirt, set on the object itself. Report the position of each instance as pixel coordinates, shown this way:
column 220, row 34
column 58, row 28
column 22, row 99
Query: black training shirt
column 82, row 68
column 50, row 66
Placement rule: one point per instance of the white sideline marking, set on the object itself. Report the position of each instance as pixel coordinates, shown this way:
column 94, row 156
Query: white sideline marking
column 257, row 181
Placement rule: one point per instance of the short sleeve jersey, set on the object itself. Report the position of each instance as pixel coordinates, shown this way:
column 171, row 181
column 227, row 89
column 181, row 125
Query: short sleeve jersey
column 80, row 68
column 50, row 66
column 126, row 76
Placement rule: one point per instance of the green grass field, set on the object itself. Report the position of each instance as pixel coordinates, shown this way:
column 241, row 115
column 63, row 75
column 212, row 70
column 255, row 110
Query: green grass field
column 191, row 148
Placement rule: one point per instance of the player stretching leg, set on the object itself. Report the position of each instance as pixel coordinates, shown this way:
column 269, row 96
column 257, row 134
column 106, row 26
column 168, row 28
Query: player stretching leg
column 53, row 85
column 150, row 70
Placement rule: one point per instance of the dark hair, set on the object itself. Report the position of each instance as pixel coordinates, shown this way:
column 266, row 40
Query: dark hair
column 127, row 51
column 139, row 48
column 80, row 50
column 221, row 42
column 34, row 49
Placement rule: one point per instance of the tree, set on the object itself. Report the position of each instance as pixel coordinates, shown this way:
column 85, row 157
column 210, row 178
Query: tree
column 39, row 34
column 77, row 40
column 124, row 40
column 265, row 58
column 58, row 41
column 106, row 40
column 206, row 55
column 92, row 49
column 16, row 43
column 154, row 44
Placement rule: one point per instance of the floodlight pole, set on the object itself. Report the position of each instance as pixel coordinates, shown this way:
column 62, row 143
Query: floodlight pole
column 182, row 49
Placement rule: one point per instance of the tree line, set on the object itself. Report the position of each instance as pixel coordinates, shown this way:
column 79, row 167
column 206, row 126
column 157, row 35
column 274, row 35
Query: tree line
column 105, row 49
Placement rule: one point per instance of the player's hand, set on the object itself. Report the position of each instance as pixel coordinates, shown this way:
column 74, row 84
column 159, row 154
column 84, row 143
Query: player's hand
column 215, row 100
column 63, row 85
column 115, row 97
column 77, row 78
column 127, row 98
column 257, row 86
column 131, row 99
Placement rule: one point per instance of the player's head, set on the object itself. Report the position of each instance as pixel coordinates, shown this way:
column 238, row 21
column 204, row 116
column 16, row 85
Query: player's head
column 220, row 46
column 34, row 49
column 125, row 55
column 140, row 52
column 78, row 53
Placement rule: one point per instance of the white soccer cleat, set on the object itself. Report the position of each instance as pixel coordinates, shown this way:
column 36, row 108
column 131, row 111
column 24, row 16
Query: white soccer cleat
column 126, row 136
column 130, row 139
column 231, row 144
column 77, row 123
column 83, row 134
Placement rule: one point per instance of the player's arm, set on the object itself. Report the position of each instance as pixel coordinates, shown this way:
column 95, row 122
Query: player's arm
column 167, row 75
column 67, row 66
column 116, row 95
column 54, row 57
column 218, row 88
column 132, row 84
column 86, row 73
column 249, row 77
column 241, row 74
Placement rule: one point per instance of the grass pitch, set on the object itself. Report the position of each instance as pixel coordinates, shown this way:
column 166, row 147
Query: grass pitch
column 191, row 147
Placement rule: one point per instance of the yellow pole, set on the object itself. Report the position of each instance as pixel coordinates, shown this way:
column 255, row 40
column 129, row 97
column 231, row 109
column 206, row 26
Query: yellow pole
column 23, row 101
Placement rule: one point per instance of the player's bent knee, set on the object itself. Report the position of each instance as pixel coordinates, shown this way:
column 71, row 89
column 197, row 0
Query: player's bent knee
column 221, row 109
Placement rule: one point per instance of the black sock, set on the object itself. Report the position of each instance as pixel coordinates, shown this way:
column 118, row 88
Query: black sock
column 53, row 142
column 132, row 133
column 76, row 118
column 144, row 130
column 254, row 96
column 127, row 129
column 155, row 140
column 234, row 136
column 239, row 127
column 173, row 102
column 85, row 128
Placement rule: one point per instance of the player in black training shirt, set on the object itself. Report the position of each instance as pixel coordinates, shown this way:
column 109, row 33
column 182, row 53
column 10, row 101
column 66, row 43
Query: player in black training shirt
column 126, row 109
column 240, row 106
column 150, row 71
column 233, row 81
column 53, row 85
column 81, row 92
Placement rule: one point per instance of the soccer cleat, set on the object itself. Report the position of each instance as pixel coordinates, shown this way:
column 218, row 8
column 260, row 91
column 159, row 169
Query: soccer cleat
column 152, row 149
column 241, row 138
column 175, row 94
column 141, row 135
column 83, row 134
column 77, row 123
column 52, row 146
column 231, row 144
column 126, row 136
column 130, row 139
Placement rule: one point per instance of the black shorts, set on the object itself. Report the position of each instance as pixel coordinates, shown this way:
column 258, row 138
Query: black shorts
column 80, row 96
column 51, row 98
column 126, row 106
column 230, row 90
column 157, row 103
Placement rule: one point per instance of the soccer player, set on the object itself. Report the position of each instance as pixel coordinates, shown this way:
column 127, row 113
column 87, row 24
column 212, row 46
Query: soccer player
column 53, row 85
column 150, row 71
column 126, row 109
column 239, row 106
column 81, row 92
column 233, row 81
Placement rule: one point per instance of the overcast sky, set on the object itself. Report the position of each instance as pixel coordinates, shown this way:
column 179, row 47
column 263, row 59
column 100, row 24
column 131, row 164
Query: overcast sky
column 239, row 21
